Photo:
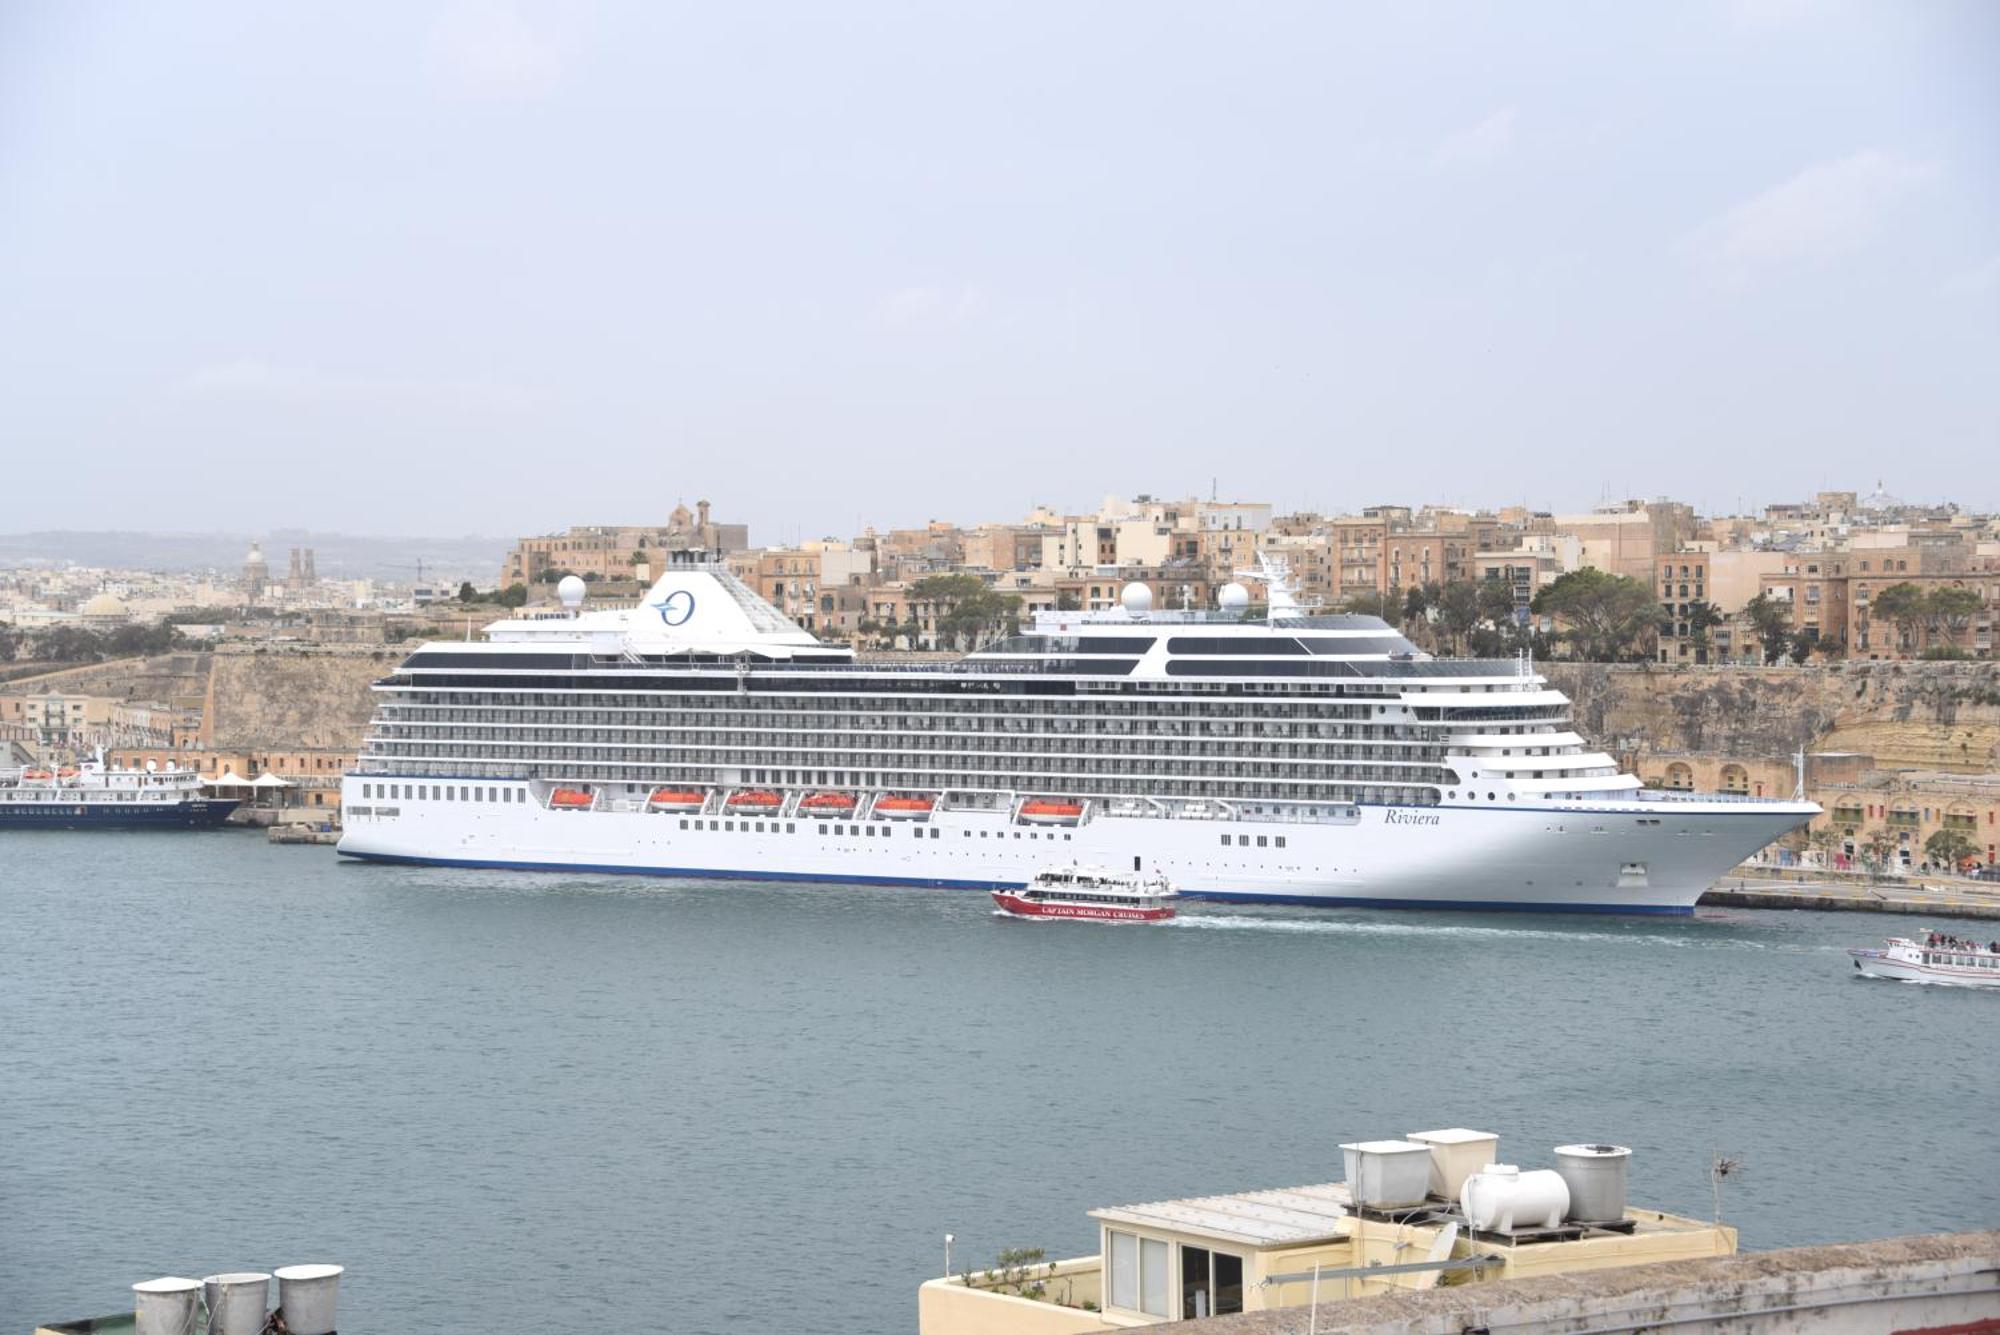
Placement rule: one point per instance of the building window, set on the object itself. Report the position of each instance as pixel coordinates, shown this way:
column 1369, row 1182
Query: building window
column 1211, row 1283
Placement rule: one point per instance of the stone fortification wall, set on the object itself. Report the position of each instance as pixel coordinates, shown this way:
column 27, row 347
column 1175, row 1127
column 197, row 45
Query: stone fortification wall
column 162, row 677
column 294, row 698
column 1906, row 715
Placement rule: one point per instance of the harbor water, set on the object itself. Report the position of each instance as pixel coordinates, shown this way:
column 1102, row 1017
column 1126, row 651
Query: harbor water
column 511, row 1100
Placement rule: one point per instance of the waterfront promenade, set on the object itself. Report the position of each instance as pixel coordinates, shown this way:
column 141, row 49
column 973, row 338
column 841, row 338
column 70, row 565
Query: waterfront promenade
column 1768, row 888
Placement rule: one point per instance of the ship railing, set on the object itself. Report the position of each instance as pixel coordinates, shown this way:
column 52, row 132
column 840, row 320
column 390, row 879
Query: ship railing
column 1688, row 795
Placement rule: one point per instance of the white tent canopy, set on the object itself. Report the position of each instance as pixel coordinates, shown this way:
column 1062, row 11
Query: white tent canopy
column 229, row 778
column 269, row 781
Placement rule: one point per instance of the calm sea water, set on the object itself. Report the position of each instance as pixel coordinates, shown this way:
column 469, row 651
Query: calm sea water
column 575, row 1101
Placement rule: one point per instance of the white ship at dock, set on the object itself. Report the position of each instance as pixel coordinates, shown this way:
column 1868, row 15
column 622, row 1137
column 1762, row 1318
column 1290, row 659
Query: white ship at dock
column 1305, row 759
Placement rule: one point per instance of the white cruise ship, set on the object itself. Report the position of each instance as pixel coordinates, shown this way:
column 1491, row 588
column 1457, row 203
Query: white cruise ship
column 1292, row 759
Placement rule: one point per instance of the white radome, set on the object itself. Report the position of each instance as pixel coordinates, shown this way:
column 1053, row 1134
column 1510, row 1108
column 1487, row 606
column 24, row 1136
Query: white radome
column 570, row 592
column 1233, row 597
column 1136, row 598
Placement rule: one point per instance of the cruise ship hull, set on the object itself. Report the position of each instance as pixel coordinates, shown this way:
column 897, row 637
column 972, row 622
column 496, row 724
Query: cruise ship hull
column 1647, row 858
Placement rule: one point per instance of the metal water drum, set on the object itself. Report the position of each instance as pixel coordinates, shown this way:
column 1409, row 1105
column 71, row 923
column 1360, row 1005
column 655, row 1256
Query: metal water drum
column 237, row 1302
column 1596, row 1178
column 165, row 1306
column 309, row 1295
column 1387, row 1174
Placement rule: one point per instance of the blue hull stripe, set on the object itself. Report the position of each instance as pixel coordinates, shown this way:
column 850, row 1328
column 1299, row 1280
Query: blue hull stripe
column 1313, row 901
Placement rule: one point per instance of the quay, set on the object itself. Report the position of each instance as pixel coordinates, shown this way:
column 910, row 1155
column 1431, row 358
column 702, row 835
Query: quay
column 300, row 833
column 1962, row 900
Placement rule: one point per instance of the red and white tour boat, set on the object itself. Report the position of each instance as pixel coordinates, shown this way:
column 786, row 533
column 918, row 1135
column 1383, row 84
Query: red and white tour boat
column 1938, row 958
column 1090, row 892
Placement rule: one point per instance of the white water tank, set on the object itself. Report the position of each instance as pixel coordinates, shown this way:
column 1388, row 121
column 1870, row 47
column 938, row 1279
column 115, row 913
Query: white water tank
column 165, row 1306
column 1387, row 1174
column 1596, row 1178
column 1502, row 1198
column 309, row 1296
column 1456, row 1154
column 237, row 1302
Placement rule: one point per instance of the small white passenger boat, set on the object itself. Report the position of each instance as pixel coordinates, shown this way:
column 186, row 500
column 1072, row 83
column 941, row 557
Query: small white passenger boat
column 1938, row 958
column 1091, row 893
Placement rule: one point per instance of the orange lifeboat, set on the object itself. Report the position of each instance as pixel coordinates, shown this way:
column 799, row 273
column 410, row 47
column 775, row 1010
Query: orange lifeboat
column 66, row 772
column 570, row 799
column 1042, row 811
column 904, row 808
column 676, row 799
column 756, row 800
column 828, row 804
column 37, row 775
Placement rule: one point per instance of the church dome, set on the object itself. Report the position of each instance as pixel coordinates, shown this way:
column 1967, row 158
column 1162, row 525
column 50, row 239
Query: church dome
column 104, row 605
column 256, row 556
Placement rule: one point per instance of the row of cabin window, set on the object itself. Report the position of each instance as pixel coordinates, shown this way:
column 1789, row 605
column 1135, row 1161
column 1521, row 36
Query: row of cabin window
column 422, row 792
column 1243, row 840
column 1964, row 961
column 869, row 831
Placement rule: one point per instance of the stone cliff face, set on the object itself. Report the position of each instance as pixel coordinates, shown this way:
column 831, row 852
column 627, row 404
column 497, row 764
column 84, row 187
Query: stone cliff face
column 1907, row 715
column 280, row 700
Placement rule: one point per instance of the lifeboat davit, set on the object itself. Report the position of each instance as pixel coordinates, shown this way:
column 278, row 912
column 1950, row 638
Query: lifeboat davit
column 755, row 801
column 904, row 808
column 1042, row 811
column 571, row 799
column 676, row 799
column 828, row 804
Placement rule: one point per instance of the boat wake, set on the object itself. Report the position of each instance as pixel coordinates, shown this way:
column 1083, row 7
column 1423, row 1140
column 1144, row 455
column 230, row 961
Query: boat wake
column 1694, row 939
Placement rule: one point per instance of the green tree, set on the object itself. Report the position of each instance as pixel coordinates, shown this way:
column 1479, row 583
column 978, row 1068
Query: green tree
column 965, row 610
column 1373, row 604
column 1066, row 602
column 1771, row 618
column 1701, row 618
column 1905, row 606
column 1496, row 602
column 1457, row 611
column 1605, row 617
column 1801, row 645
column 1878, row 847
column 514, row 595
column 1950, row 610
column 1949, row 848
column 466, row 593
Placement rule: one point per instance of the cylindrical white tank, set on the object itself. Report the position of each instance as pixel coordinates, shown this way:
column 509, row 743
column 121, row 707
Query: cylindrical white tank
column 237, row 1302
column 1502, row 1198
column 309, row 1296
column 165, row 1306
column 1596, row 1178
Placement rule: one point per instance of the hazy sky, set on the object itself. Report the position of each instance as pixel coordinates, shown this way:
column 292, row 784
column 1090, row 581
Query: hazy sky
column 490, row 268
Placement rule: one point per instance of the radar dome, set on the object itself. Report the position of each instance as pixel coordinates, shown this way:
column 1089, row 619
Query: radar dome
column 1233, row 597
column 1136, row 598
column 571, row 591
